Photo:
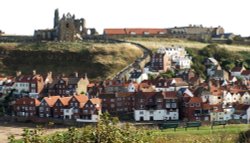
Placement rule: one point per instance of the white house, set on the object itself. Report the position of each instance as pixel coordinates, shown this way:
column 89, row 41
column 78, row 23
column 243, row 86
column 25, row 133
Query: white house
column 176, row 52
column 183, row 63
column 68, row 113
column 156, row 115
column 236, row 71
column 245, row 98
column 138, row 76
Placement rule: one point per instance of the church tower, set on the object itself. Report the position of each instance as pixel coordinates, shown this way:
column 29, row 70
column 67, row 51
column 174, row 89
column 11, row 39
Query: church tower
column 56, row 18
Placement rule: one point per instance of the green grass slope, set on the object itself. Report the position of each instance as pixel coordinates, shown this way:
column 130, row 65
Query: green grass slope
column 99, row 60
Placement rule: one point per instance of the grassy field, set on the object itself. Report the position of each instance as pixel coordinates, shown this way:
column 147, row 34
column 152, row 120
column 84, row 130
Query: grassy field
column 155, row 43
column 99, row 60
column 229, row 134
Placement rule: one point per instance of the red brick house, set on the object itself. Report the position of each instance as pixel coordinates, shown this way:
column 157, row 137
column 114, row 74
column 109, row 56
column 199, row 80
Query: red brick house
column 60, row 105
column 47, row 105
column 75, row 104
column 26, row 107
column 193, row 109
column 156, row 106
column 90, row 111
column 120, row 103
column 29, row 83
column 160, row 62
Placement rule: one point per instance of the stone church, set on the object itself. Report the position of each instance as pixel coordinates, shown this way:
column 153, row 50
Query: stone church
column 68, row 28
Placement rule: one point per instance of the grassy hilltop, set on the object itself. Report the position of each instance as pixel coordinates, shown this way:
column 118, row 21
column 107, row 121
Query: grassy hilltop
column 99, row 60
column 155, row 43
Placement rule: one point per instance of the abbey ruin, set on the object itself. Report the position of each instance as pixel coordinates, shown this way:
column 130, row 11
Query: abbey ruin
column 67, row 28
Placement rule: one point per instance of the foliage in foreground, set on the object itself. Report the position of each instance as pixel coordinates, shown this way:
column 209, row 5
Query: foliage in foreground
column 109, row 131
column 106, row 131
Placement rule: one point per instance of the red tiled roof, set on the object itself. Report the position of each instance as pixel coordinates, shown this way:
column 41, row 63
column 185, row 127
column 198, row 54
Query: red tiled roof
column 51, row 100
column 206, row 106
column 96, row 100
column 170, row 94
column 91, row 85
column 125, row 94
column 82, row 99
column 137, row 31
column 37, row 102
column 65, row 100
column 195, row 100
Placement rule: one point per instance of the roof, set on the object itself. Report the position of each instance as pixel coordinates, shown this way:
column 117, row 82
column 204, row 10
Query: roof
column 22, row 100
column 170, row 94
column 82, row 99
column 241, row 107
column 237, row 69
column 125, row 94
column 96, row 100
column 195, row 100
column 206, row 106
column 213, row 60
column 51, row 100
column 28, row 78
column 246, row 72
column 137, row 31
column 65, row 100
column 135, row 74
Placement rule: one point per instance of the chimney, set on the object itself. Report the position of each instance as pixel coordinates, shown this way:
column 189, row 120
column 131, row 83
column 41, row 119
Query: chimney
column 76, row 74
column 34, row 72
column 18, row 73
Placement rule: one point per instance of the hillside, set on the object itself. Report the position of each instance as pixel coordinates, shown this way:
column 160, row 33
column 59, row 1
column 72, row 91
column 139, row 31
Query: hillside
column 99, row 60
column 228, row 56
column 155, row 43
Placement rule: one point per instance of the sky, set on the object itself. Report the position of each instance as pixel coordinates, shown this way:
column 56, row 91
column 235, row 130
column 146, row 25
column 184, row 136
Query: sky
column 22, row 17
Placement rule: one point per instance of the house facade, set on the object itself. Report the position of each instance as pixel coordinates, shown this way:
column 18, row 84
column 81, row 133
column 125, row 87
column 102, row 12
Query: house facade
column 156, row 106
column 26, row 107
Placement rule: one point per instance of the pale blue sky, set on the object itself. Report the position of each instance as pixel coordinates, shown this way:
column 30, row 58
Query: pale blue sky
column 24, row 16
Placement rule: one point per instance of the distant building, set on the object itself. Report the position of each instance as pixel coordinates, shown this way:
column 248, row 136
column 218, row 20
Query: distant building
column 68, row 28
column 195, row 32
column 160, row 62
column 135, row 32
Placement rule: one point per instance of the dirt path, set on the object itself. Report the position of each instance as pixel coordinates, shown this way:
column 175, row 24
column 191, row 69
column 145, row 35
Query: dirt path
column 16, row 129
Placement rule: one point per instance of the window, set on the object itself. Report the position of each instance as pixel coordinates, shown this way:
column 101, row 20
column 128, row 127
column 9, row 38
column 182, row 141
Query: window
column 151, row 112
column 191, row 105
column 141, row 100
column 112, row 100
column 174, row 105
column 167, row 105
column 76, row 110
column 31, row 102
column 47, row 109
column 159, row 100
column 33, row 85
column 18, row 108
column 141, row 112
column 197, row 104
column 112, row 105
column 67, row 25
